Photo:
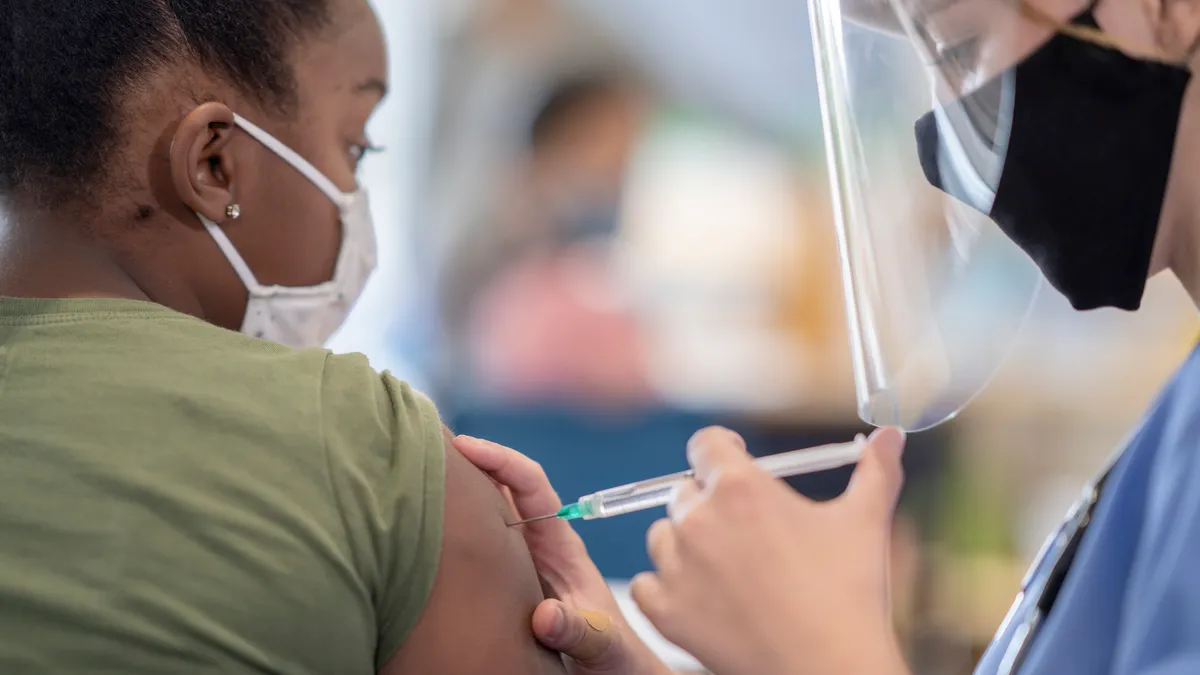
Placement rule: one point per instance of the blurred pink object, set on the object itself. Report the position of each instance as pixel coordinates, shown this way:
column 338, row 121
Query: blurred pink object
column 559, row 327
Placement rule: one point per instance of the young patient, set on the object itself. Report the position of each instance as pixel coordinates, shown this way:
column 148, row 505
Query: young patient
column 191, row 485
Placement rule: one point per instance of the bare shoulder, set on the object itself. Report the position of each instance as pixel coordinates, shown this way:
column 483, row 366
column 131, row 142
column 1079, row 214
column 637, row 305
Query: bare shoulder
column 477, row 619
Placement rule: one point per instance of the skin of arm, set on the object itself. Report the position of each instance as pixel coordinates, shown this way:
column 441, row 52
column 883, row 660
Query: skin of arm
column 478, row 614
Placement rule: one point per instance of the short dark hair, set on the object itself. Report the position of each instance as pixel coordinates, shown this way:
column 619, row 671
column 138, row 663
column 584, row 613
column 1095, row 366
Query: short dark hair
column 67, row 65
column 566, row 99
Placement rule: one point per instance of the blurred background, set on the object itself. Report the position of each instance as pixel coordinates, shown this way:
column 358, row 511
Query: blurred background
column 605, row 224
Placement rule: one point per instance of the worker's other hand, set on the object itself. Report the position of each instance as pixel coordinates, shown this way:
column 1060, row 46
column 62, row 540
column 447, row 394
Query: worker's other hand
column 580, row 618
column 753, row 578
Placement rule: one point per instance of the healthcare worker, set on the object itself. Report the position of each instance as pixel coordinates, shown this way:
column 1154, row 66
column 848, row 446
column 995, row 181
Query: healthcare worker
column 1072, row 130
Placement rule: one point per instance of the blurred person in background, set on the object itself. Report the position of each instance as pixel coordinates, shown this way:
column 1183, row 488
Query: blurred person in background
column 535, row 289
column 543, row 350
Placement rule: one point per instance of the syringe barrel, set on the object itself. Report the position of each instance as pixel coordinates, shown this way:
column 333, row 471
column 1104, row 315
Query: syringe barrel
column 811, row 460
column 659, row 491
column 633, row 497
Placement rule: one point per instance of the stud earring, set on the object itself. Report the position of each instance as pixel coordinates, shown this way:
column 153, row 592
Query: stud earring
column 233, row 211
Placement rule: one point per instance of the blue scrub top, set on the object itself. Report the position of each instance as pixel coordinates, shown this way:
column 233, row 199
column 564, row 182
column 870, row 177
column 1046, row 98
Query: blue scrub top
column 1130, row 603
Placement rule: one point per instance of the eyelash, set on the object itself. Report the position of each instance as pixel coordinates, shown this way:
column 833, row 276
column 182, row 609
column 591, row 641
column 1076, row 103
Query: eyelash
column 359, row 151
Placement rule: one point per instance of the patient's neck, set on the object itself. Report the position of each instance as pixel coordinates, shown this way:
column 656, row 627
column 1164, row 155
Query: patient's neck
column 43, row 257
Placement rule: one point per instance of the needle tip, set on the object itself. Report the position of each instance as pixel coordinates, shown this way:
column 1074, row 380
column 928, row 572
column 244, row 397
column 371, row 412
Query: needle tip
column 532, row 520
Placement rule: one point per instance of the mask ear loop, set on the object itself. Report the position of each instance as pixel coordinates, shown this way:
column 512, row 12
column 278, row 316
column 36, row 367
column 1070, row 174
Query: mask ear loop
column 231, row 253
column 333, row 192
column 1087, row 34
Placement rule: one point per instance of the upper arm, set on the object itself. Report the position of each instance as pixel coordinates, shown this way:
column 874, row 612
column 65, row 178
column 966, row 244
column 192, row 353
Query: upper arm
column 451, row 588
column 477, row 619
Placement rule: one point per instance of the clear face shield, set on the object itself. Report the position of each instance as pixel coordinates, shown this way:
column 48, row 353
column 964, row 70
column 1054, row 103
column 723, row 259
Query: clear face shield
column 936, row 293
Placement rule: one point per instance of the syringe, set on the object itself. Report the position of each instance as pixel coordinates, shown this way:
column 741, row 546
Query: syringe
column 647, row 494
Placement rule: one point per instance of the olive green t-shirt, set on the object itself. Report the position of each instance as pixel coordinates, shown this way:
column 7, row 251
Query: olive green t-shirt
column 176, row 498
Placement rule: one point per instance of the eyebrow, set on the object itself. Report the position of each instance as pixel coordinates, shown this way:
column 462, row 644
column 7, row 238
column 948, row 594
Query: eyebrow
column 374, row 85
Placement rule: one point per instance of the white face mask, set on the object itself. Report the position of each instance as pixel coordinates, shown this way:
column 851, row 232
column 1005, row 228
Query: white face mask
column 305, row 316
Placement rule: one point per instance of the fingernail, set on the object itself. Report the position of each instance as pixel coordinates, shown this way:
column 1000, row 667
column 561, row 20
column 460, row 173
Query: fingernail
column 479, row 445
column 881, row 430
column 896, row 445
column 560, row 621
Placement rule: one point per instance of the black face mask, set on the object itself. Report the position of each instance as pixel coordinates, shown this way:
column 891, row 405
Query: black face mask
column 1085, row 172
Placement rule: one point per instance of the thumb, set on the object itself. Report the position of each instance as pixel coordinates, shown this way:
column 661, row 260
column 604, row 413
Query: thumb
column 877, row 479
column 584, row 635
column 715, row 449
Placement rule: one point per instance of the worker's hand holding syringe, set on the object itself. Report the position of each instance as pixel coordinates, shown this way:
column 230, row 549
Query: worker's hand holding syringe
column 580, row 616
column 652, row 492
column 759, row 579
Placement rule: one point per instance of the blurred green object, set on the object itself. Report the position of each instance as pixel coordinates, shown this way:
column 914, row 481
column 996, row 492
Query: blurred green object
column 975, row 518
